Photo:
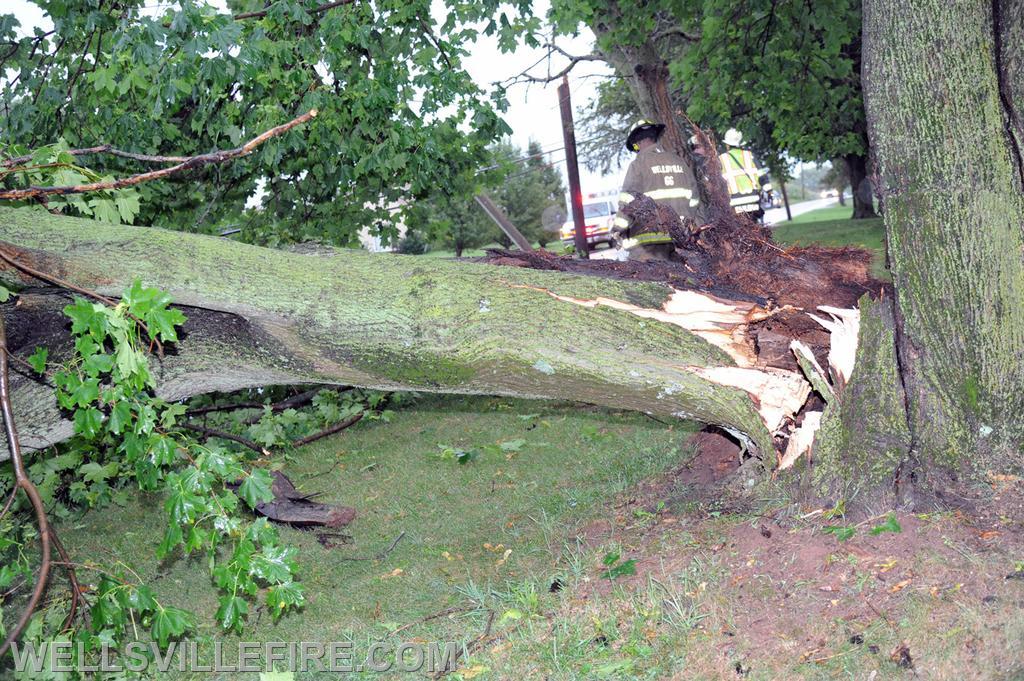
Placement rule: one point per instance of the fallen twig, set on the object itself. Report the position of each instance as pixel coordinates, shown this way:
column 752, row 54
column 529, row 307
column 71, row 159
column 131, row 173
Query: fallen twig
column 299, row 400
column 76, row 591
column 188, row 164
column 383, row 554
column 213, row 432
column 336, row 428
column 437, row 615
column 467, row 649
column 287, row 403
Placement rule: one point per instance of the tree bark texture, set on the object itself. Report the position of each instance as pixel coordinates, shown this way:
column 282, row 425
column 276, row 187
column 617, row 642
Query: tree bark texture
column 259, row 316
column 950, row 169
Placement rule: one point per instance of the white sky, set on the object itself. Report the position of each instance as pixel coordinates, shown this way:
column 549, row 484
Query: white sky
column 533, row 109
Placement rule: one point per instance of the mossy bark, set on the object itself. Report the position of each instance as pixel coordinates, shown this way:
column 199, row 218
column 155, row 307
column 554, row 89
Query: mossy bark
column 260, row 316
column 861, row 449
column 950, row 176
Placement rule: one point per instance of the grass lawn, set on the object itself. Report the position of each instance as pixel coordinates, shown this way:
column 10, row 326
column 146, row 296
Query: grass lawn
column 493, row 531
column 508, row 554
column 832, row 226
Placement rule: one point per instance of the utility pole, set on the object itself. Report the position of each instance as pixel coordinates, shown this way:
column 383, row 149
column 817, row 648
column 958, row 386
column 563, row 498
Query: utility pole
column 495, row 213
column 573, row 169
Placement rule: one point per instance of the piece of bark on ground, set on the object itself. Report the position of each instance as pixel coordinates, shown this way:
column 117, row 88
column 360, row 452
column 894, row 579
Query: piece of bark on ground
column 293, row 507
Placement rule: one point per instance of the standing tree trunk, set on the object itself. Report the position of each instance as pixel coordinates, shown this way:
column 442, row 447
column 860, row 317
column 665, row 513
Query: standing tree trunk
column 863, row 194
column 950, row 175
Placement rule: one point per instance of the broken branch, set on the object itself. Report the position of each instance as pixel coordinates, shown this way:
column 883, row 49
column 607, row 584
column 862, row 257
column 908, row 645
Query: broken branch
column 213, row 432
column 189, row 163
column 24, row 482
column 336, row 428
column 101, row 149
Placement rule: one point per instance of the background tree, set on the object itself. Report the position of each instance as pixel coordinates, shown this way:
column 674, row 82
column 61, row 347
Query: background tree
column 785, row 74
column 837, row 177
column 394, row 100
column 524, row 185
column 786, row 68
column 454, row 222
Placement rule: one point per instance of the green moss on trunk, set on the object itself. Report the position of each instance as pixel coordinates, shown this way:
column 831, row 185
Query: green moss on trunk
column 386, row 321
column 864, row 438
column 954, row 214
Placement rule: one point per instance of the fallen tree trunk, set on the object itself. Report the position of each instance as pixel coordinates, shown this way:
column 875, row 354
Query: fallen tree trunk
column 260, row 316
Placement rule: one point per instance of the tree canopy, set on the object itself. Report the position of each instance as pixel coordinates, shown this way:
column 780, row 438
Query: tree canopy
column 398, row 113
column 786, row 74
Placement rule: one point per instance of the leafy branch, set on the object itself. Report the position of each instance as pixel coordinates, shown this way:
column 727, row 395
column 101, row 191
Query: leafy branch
column 189, row 163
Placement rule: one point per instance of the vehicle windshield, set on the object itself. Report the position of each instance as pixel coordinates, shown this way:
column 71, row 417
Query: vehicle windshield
column 596, row 210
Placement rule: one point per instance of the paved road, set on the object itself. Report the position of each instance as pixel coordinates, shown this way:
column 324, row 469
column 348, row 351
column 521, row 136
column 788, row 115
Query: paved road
column 778, row 215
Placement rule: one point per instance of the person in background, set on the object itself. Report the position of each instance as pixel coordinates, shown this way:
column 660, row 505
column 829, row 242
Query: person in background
column 662, row 176
column 742, row 176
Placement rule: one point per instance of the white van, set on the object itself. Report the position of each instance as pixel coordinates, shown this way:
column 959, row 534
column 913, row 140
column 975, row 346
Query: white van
column 598, row 216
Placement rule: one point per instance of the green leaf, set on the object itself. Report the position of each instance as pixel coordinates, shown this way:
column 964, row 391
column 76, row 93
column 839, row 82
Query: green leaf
column 256, row 487
column 120, row 416
column 273, row 564
column 87, row 317
column 172, row 538
column 610, row 558
column 88, row 422
column 5, row 294
column 97, row 364
column 231, row 613
column 163, row 323
column 38, row 360
column 81, row 393
column 171, row 413
column 281, row 597
column 512, row 445
column 129, row 360
column 182, row 506
column 169, row 623
column 891, row 524
column 163, row 450
column 623, row 569
column 140, row 598
column 841, row 532
column 94, row 472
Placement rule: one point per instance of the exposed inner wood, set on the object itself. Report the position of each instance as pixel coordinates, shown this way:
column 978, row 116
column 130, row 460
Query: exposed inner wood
column 779, row 351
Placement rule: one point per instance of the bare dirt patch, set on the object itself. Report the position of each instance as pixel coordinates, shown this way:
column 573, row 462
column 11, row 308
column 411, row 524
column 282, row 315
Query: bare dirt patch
column 915, row 590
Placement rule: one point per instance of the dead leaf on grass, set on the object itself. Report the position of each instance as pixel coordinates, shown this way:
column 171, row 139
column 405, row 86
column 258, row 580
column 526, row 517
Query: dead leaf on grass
column 899, row 586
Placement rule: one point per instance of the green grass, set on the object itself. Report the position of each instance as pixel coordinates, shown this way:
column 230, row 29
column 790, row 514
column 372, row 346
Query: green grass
column 833, row 227
column 458, row 520
column 484, row 542
column 835, row 212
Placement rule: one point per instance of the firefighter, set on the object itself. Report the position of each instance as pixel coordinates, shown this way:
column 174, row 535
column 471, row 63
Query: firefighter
column 741, row 175
column 664, row 177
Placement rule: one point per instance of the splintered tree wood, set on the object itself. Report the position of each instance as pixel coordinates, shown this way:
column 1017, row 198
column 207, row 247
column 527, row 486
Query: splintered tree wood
column 259, row 316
